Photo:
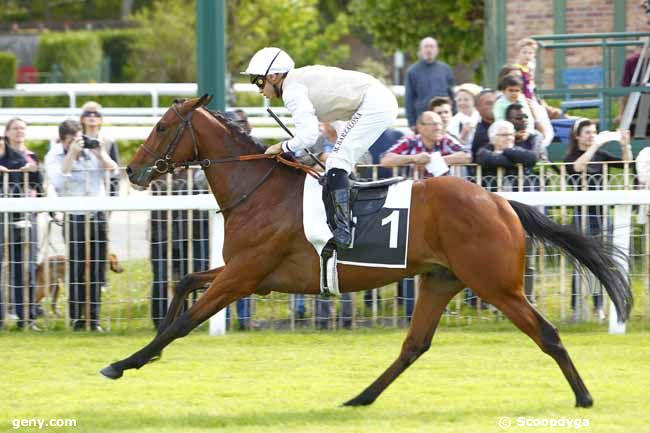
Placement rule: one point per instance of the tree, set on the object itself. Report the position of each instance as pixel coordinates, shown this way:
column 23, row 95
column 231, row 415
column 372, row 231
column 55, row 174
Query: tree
column 400, row 24
column 295, row 26
column 166, row 48
column 330, row 9
column 126, row 9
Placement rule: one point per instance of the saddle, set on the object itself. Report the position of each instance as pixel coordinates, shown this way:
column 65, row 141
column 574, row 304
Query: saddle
column 366, row 197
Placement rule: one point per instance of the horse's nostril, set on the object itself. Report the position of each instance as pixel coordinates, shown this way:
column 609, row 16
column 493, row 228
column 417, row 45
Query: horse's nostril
column 129, row 171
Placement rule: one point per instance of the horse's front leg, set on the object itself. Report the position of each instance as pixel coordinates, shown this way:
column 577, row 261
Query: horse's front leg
column 231, row 283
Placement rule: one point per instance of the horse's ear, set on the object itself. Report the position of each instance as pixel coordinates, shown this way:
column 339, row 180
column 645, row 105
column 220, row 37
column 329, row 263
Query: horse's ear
column 203, row 100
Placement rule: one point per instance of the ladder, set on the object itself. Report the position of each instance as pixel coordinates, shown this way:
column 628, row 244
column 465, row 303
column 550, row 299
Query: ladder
column 641, row 77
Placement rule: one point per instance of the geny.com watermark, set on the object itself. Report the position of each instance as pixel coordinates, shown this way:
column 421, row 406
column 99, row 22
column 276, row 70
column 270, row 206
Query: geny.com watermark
column 17, row 423
column 505, row 422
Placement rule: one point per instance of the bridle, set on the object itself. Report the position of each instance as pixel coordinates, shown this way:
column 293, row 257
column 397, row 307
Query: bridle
column 163, row 163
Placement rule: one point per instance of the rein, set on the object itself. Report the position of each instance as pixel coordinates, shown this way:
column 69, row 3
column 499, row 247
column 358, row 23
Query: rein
column 205, row 163
column 164, row 164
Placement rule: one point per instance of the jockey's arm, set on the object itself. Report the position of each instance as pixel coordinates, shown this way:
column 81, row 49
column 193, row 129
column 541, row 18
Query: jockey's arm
column 296, row 99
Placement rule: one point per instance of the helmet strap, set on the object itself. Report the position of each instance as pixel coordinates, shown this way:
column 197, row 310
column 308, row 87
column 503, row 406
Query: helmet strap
column 272, row 61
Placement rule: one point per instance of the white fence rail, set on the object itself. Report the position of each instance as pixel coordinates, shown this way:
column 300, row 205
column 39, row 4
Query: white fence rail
column 154, row 90
column 144, row 202
column 135, row 132
column 134, row 123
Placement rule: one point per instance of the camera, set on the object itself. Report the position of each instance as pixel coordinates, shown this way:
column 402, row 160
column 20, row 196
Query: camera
column 90, row 143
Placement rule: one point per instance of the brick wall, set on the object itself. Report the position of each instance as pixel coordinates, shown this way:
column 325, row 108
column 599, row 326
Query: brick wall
column 636, row 18
column 524, row 20
column 582, row 16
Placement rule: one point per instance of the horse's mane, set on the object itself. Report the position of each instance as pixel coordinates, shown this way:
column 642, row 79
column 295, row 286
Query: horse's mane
column 233, row 127
column 236, row 130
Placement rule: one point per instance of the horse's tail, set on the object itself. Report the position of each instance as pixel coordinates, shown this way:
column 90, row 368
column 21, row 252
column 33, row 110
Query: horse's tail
column 597, row 256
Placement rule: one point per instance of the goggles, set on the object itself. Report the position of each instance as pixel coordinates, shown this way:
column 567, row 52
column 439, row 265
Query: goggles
column 91, row 114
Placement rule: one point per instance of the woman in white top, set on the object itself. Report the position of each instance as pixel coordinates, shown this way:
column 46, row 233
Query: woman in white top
column 316, row 94
column 463, row 124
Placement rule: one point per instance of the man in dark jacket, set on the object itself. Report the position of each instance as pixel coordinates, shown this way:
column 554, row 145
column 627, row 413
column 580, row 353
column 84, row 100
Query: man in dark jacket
column 425, row 80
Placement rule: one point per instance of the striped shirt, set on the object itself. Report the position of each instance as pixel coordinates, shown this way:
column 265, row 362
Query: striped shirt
column 412, row 145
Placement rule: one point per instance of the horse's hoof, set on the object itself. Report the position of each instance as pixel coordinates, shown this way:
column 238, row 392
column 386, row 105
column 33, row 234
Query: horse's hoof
column 357, row 401
column 111, row 372
column 586, row 401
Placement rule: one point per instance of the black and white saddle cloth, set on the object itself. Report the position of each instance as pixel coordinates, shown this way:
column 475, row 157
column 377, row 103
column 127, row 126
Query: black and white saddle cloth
column 381, row 224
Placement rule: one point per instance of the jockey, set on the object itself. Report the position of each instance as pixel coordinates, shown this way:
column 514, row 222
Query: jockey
column 327, row 94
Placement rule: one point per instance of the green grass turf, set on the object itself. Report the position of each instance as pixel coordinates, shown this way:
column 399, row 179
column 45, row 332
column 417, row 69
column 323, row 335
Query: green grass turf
column 295, row 382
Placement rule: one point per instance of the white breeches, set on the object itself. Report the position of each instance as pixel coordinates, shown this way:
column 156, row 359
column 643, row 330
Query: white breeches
column 377, row 112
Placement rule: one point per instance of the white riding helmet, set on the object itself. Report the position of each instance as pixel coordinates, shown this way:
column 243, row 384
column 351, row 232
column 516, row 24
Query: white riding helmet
column 269, row 60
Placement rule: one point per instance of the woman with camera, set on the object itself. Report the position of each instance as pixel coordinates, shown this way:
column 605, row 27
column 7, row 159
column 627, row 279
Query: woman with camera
column 76, row 169
column 91, row 125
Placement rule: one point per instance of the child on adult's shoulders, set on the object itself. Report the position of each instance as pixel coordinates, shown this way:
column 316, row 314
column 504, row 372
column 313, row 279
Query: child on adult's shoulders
column 511, row 87
column 525, row 63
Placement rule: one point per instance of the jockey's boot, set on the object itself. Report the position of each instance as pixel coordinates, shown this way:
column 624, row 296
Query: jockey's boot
column 339, row 189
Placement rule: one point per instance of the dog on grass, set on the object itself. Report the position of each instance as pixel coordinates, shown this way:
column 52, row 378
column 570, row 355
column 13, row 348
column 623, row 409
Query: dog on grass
column 56, row 266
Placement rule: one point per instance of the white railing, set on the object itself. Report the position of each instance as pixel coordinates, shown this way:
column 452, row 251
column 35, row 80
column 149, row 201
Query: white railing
column 134, row 123
column 154, row 90
column 144, row 202
column 119, row 133
column 121, row 129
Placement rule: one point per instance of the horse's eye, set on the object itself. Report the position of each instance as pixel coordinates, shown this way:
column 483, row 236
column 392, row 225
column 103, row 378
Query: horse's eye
column 161, row 128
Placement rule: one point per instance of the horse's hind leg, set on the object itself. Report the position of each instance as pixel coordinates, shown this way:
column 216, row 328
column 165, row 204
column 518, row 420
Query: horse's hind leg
column 525, row 317
column 185, row 286
column 188, row 284
column 436, row 290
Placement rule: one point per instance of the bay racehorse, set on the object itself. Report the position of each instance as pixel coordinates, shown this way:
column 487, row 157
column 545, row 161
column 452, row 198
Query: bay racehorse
column 460, row 236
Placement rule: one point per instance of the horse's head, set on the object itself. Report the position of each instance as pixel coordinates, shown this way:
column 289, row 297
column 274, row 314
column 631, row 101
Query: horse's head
column 172, row 140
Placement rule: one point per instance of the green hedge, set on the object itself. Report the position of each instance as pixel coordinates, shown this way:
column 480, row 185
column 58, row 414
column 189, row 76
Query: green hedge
column 77, row 56
column 116, row 45
column 7, row 76
column 7, row 70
